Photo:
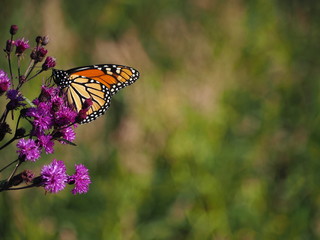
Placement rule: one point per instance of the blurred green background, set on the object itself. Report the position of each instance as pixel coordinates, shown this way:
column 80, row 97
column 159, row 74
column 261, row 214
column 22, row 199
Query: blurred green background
column 218, row 139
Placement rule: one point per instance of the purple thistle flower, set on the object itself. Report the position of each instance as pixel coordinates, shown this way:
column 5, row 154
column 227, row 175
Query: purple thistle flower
column 50, row 62
column 42, row 52
column 15, row 99
column 67, row 134
column 4, row 82
column 42, row 118
column 80, row 179
column 38, row 53
column 46, row 142
column 21, row 46
column 65, row 116
column 57, row 103
column 45, row 94
column 14, row 94
column 49, row 92
column 28, row 149
column 54, row 176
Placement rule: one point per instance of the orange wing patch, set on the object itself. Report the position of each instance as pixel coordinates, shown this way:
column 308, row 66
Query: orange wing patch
column 106, row 80
column 90, row 73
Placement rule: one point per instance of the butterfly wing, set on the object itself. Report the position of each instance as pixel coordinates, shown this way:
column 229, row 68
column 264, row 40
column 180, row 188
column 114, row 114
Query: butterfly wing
column 97, row 82
column 81, row 89
column 114, row 77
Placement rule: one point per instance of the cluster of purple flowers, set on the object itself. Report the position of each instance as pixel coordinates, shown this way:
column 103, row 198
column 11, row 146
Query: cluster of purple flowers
column 54, row 178
column 4, row 82
column 51, row 118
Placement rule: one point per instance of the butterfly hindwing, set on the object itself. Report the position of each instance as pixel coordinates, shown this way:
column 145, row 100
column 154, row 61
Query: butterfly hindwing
column 97, row 82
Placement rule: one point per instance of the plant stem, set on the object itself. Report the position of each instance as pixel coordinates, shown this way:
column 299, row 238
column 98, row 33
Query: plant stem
column 8, row 165
column 14, row 170
column 7, row 143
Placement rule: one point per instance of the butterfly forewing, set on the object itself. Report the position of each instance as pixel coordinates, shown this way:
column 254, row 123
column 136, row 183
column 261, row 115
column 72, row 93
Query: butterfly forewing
column 97, row 82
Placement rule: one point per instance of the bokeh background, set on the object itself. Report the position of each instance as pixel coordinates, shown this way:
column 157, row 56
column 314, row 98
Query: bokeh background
column 218, row 139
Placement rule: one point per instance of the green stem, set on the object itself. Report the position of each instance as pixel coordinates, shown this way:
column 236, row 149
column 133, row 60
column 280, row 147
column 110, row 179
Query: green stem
column 8, row 165
column 14, row 170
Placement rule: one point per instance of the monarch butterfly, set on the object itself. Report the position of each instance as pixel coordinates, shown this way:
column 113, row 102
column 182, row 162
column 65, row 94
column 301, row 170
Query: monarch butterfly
column 97, row 82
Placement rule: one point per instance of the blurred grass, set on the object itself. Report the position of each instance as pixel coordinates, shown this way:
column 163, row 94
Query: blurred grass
column 219, row 139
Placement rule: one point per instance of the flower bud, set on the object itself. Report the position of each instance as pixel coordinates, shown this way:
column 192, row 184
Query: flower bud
column 50, row 62
column 39, row 39
column 42, row 52
column 13, row 29
column 45, row 40
column 81, row 115
column 21, row 46
column 4, row 82
column 20, row 132
column 27, row 176
column 4, row 129
column 87, row 104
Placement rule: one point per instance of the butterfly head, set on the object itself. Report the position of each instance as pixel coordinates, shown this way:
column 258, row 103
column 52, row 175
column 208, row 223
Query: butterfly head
column 61, row 78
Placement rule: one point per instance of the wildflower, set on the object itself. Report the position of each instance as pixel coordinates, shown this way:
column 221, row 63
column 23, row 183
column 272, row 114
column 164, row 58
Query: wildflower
column 50, row 62
column 27, row 176
column 38, row 54
column 46, row 142
column 54, row 176
column 64, row 116
column 16, row 99
column 82, row 114
column 45, row 40
column 80, row 179
column 21, row 46
column 42, row 119
column 87, row 103
column 39, row 39
column 13, row 29
column 49, row 94
column 42, row 52
column 4, row 82
column 28, row 150
column 67, row 134
column 57, row 103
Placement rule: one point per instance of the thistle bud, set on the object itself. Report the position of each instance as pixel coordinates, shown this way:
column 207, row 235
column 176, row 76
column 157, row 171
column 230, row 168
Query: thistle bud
column 87, row 104
column 4, row 129
column 20, row 132
column 39, row 39
column 50, row 62
column 82, row 114
column 13, row 29
column 45, row 40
